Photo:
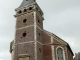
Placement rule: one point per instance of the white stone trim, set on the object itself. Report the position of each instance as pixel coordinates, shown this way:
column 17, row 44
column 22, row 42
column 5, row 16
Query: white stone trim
column 53, row 54
column 24, row 42
column 35, row 36
column 25, row 27
column 52, row 40
column 66, row 53
column 63, row 52
column 15, row 32
column 39, row 43
column 39, row 28
column 12, row 54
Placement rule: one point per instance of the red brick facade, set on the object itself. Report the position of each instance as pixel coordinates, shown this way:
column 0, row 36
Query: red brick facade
column 32, row 41
column 47, row 53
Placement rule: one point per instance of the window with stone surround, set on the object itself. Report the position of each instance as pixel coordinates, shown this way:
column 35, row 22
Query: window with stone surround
column 59, row 54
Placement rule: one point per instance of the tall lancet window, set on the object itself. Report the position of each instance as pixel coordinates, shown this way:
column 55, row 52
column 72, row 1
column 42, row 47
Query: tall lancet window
column 59, row 54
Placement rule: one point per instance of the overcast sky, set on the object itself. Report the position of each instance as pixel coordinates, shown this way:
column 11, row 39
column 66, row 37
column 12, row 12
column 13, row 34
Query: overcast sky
column 61, row 18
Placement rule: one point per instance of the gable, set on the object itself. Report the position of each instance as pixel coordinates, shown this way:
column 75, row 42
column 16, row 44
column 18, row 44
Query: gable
column 56, row 39
column 59, row 41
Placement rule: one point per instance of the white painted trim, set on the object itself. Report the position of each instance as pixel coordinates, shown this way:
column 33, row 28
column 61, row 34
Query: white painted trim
column 63, row 52
column 25, row 27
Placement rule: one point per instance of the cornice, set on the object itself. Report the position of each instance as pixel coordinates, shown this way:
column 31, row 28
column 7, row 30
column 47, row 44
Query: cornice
column 49, row 44
column 17, row 15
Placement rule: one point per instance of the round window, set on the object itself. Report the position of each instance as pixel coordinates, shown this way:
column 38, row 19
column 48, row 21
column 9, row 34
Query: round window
column 24, row 21
column 24, row 34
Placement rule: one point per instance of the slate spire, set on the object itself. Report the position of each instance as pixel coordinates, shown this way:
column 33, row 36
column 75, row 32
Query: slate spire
column 26, row 2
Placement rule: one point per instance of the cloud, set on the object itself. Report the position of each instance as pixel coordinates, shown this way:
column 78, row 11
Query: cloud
column 62, row 18
column 1, row 59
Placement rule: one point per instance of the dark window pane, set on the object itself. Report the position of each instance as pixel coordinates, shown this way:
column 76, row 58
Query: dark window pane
column 60, row 54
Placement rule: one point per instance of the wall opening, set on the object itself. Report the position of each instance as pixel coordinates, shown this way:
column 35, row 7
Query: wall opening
column 39, row 34
column 30, row 8
column 40, row 50
column 24, row 34
column 20, row 11
column 25, row 10
column 38, row 21
column 24, row 21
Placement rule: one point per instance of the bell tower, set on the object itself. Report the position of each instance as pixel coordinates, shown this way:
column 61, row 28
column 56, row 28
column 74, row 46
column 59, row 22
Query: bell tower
column 31, row 41
column 27, row 42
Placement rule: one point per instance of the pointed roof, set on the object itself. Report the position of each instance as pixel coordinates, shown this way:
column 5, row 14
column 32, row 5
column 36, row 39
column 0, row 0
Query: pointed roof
column 26, row 2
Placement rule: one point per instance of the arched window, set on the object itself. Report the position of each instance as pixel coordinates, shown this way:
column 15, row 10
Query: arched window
column 59, row 54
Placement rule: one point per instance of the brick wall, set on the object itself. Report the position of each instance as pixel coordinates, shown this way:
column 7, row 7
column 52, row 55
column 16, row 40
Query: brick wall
column 47, row 53
column 29, row 35
column 70, row 56
column 39, row 35
column 27, row 48
column 46, row 38
column 20, row 22
column 39, row 52
column 39, row 21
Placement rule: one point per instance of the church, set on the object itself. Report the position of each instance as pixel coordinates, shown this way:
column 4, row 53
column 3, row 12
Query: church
column 31, row 41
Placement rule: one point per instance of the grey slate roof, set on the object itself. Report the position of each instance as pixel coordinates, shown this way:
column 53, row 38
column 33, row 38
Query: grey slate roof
column 26, row 2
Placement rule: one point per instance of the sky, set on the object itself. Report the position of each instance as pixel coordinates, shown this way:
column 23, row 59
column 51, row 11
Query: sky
column 62, row 17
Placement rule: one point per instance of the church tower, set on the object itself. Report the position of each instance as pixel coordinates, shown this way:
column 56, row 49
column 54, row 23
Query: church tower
column 31, row 41
column 29, row 18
